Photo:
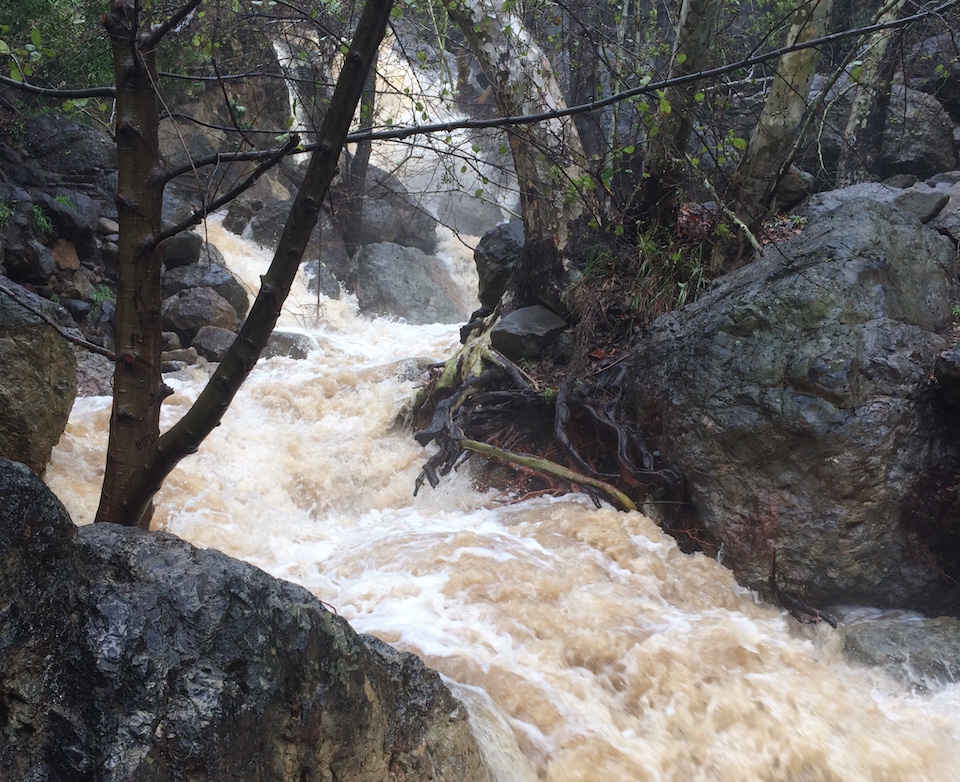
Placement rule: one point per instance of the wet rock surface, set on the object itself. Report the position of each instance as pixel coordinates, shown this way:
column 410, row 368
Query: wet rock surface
column 920, row 651
column 796, row 396
column 404, row 282
column 135, row 656
column 39, row 379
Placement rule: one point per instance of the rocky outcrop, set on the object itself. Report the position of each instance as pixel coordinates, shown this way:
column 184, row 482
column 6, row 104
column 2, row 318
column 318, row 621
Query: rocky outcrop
column 207, row 275
column 404, row 282
column 130, row 656
column 384, row 212
column 39, row 379
column 796, row 397
column 917, row 136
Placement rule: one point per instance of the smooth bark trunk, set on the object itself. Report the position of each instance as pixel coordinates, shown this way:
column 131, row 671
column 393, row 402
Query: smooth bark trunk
column 863, row 135
column 772, row 144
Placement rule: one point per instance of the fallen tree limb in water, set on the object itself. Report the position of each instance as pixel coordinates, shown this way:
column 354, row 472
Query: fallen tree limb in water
column 479, row 395
column 614, row 495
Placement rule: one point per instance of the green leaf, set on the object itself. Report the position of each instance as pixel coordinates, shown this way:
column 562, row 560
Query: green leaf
column 35, row 37
column 629, row 149
column 856, row 73
column 699, row 97
column 681, row 58
column 4, row 48
column 739, row 143
column 15, row 73
column 665, row 107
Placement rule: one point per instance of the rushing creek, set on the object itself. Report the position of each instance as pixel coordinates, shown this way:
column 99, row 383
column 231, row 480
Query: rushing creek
column 585, row 645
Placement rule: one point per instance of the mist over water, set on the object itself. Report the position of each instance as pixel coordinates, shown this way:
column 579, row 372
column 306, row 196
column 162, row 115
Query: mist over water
column 584, row 643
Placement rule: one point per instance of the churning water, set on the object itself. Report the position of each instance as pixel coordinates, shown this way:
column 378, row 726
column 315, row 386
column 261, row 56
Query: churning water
column 584, row 643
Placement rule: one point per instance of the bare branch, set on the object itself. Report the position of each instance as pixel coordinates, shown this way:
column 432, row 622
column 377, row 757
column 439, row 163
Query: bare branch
column 194, row 219
column 50, row 92
column 157, row 33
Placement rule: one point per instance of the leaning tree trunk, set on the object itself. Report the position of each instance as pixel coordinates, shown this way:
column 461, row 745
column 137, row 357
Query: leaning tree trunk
column 768, row 154
column 138, row 388
column 669, row 135
column 204, row 416
column 863, row 135
column 548, row 156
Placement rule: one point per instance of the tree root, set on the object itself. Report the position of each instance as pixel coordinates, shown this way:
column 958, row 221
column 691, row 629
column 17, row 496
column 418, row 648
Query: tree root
column 798, row 608
column 479, row 395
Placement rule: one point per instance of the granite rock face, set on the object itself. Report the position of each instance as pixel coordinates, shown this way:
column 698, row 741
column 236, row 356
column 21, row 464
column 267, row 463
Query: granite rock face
column 135, row 656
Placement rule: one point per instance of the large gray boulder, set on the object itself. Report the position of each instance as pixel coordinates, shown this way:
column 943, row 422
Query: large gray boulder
column 191, row 309
column 135, row 657
column 404, row 282
column 39, row 379
column 796, row 398
column 207, row 275
column 917, row 136
column 496, row 256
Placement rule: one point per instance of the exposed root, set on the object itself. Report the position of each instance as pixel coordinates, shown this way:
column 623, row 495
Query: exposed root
column 798, row 608
column 483, row 403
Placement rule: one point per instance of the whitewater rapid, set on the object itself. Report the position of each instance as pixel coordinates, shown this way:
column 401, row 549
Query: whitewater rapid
column 585, row 645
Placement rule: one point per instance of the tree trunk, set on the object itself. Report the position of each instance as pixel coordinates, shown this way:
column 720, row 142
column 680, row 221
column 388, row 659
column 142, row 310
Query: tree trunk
column 548, row 156
column 186, row 436
column 863, row 135
column 670, row 133
column 767, row 157
column 355, row 181
column 138, row 385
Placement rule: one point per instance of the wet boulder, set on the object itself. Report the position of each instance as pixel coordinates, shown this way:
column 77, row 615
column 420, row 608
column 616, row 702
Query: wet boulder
column 796, row 397
column 181, row 250
column 213, row 342
column 290, row 344
column 134, row 656
column 39, row 379
column 207, row 275
column 385, row 211
column 404, row 282
column 920, row 651
column 496, row 256
column 191, row 309
column 526, row 332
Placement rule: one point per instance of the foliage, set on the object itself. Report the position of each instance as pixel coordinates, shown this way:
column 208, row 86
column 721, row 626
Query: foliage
column 101, row 293
column 7, row 210
column 40, row 220
column 65, row 201
column 51, row 41
column 628, row 283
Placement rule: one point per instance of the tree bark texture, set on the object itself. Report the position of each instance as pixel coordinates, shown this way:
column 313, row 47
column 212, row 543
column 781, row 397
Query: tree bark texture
column 771, row 145
column 138, row 385
column 668, row 138
column 548, row 157
column 205, row 415
column 863, row 135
